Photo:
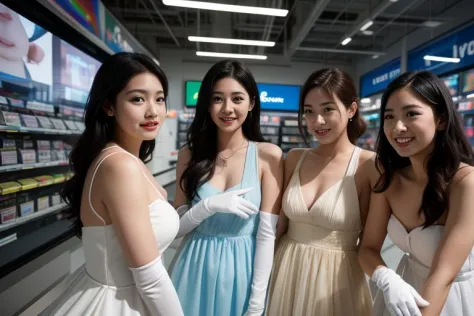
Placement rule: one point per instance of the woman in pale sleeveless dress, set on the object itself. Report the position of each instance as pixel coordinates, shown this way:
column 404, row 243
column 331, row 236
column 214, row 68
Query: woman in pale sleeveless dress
column 126, row 220
column 224, row 263
column 424, row 201
column 315, row 267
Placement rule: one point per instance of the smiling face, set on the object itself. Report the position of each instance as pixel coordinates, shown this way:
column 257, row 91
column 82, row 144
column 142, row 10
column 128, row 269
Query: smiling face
column 13, row 39
column 409, row 124
column 230, row 105
column 325, row 115
column 140, row 108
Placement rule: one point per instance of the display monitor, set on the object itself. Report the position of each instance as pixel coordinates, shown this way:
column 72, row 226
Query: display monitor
column 74, row 72
column 192, row 92
column 25, row 58
column 467, row 85
column 452, row 83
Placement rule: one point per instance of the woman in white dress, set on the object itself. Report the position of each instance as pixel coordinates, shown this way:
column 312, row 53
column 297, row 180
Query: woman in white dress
column 424, row 200
column 125, row 218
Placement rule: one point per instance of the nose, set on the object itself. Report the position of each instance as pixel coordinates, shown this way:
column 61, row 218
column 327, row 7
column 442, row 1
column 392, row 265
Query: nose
column 152, row 110
column 320, row 119
column 399, row 127
column 227, row 106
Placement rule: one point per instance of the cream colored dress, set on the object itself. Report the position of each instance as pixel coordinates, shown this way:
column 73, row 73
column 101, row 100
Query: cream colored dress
column 316, row 271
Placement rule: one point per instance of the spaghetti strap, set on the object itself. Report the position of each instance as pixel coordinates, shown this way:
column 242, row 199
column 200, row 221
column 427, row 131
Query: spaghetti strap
column 300, row 162
column 97, row 168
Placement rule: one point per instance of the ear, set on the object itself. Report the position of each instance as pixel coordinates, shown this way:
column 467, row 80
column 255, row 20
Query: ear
column 252, row 105
column 440, row 124
column 108, row 109
column 352, row 109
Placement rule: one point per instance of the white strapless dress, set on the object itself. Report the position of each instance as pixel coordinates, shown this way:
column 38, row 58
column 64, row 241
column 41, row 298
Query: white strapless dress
column 420, row 246
column 106, row 286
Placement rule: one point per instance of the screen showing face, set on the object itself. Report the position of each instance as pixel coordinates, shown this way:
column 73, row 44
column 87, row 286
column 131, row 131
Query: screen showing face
column 25, row 56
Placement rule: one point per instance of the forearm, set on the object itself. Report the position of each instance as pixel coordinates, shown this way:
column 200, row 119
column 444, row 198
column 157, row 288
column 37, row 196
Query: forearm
column 436, row 292
column 282, row 227
column 369, row 260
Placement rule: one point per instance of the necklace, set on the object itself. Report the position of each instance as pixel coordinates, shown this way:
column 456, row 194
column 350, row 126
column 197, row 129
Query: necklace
column 224, row 159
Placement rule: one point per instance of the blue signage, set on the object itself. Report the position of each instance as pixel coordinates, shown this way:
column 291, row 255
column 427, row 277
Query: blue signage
column 277, row 97
column 458, row 45
column 378, row 79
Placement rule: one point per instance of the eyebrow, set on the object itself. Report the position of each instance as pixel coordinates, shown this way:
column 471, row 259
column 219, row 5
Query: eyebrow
column 405, row 107
column 321, row 104
column 143, row 91
column 220, row 92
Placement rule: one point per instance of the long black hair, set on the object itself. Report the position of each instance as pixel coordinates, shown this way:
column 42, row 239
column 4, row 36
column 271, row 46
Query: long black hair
column 451, row 146
column 336, row 83
column 110, row 80
column 202, row 134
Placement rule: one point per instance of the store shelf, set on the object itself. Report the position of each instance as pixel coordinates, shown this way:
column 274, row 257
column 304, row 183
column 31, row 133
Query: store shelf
column 22, row 129
column 37, row 165
column 27, row 218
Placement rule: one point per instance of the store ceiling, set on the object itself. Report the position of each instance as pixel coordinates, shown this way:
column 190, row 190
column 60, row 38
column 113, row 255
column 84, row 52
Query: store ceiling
column 312, row 31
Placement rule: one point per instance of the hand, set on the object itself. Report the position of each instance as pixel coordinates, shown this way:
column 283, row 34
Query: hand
column 230, row 202
column 401, row 298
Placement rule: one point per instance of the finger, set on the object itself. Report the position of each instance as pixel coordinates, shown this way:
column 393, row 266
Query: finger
column 242, row 191
column 239, row 213
column 420, row 301
column 246, row 210
column 247, row 204
column 402, row 306
column 394, row 311
column 413, row 310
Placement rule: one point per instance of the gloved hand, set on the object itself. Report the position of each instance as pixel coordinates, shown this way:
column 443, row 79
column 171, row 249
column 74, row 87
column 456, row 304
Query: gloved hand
column 229, row 202
column 401, row 299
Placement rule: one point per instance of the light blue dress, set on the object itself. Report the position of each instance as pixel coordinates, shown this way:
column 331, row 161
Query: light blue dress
column 212, row 270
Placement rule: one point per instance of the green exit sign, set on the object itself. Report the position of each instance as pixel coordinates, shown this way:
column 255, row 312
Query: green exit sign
column 192, row 92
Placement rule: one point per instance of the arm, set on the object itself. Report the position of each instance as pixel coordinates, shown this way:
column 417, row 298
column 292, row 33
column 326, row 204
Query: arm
column 400, row 297
column 272, row 183
column 292, row 159
column 454, row 248
column 127, row 205
column 184, row 155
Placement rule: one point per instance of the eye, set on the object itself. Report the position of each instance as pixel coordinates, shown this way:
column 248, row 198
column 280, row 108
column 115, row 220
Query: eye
column 238, row 99
column 388, row 117
column 328, row 109
column 161, row 99
column 137, row 99
column 307, row 111
column 216, row 99
column 412, row 113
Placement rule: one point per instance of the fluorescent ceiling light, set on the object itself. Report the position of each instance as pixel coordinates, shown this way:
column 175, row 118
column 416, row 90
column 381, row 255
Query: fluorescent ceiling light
column 442, row 59
column 230, row 41
column 375, row 56
column 226, row 7
column 470, row 96
column 432, row 23
column 226, row 55
column 365, row 100
column 366, row 25
column 346, row 41
column 393, row 0
column 368, row 32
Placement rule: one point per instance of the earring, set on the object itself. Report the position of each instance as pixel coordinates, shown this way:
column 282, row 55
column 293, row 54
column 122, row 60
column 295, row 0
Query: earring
column 350, row 119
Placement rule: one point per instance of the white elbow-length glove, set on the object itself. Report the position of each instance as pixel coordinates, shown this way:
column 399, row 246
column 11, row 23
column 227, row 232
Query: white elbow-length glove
column 229, row 202
column 401, row 299
column 263, row 262
column 156, row 289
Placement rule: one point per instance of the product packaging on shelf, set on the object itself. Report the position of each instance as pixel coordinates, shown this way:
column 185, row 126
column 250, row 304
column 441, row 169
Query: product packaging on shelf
column 7, row 209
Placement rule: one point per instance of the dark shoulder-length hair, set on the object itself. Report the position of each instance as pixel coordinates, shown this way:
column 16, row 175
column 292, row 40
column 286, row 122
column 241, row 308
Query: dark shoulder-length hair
column 111, row 78
column 202, row 133
column 451, row 146
column 335, row 82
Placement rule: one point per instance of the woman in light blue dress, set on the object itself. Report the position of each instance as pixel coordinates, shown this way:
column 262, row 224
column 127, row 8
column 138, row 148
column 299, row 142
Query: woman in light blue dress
column 229, row 184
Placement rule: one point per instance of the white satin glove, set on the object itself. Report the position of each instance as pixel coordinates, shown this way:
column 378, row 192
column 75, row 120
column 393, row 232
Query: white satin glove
column 263, row 262
column 229, row 202
column 401, row 299
column 156, row 289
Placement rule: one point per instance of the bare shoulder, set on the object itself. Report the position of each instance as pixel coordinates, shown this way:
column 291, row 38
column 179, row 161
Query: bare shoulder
column 269, row 152
column 120, row 166
column 366, row 155
column 294, row 155
column 367, row 166
column 463, row 179
column 184, row 154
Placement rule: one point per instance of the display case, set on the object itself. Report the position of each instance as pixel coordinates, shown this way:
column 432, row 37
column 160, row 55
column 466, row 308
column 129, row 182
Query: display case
column 43, row 92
